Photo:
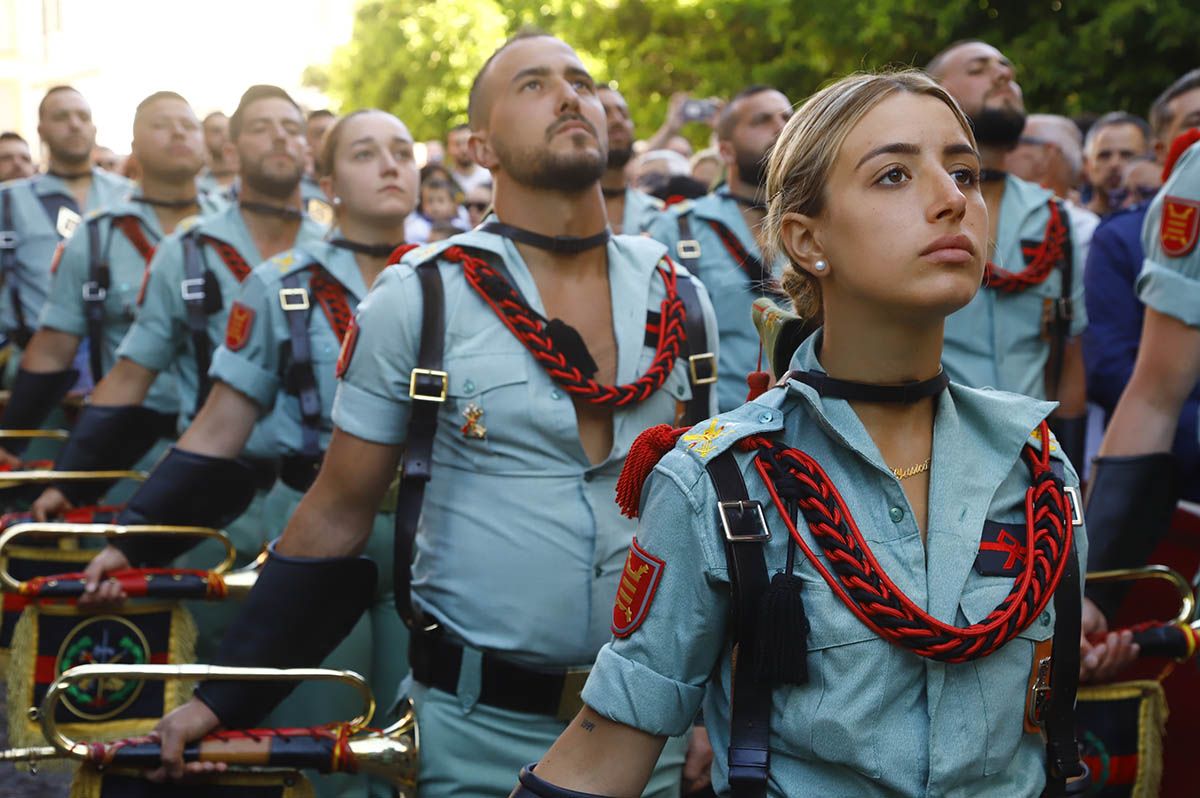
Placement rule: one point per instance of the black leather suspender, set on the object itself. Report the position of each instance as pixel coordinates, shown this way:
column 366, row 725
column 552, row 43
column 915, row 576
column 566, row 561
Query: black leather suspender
column 296, row 304
column 427, row 388
column 194, row 291
column 9, row 239
column 743, row 530
column 1063, row 311
column 702, row 365
column 95, row 292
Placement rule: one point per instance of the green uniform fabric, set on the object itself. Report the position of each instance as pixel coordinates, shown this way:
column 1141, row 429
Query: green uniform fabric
column 641, row 211
column 1170, row 280
column 997, row 340
column 520, row 544
column 874, row 719
column 728, row 284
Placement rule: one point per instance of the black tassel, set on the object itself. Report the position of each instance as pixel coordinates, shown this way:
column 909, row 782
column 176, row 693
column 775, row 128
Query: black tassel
column 781, row 647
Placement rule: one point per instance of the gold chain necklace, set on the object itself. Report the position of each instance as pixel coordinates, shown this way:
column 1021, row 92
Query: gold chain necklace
column 912, row 471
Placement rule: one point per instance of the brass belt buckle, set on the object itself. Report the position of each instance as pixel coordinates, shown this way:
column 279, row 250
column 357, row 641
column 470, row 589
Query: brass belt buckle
column 703, row 368
column 570, row 701
column 1039, row 694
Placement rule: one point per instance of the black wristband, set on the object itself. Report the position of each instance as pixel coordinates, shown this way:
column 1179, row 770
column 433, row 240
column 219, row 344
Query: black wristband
column 32, row 397
column 186, row 489
column 531, row 786
column 106, row 437
column 297, row 613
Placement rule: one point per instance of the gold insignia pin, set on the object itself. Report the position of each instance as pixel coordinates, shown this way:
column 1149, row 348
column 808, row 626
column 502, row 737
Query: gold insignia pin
column 703, row 443
column 473, row 429
column 67, row 221
column 320, row 212
column 1037, row 436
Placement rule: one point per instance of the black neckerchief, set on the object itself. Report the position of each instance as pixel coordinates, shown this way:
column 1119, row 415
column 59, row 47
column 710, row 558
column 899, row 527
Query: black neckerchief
column 612, row 192
column 992, row 175
column 69, row 175
column 745, row 202
column 162, row 203
column 292, row 214
column 563, row 245
column 371, row 250
column 906, row 393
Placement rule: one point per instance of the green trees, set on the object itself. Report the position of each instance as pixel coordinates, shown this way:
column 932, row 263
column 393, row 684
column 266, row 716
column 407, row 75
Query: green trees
column 417, row 57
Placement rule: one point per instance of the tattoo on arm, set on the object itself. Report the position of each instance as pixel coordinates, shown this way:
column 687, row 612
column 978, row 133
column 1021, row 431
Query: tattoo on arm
column 587, row 725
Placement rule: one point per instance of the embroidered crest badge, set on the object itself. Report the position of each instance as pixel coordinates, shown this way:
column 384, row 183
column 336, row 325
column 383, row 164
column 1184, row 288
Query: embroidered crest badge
column 237, row 330
column 1179, row 226
column 639, row 581
column 1002, row 550
column 474, row 427
column 348, row 343
column 703, row 443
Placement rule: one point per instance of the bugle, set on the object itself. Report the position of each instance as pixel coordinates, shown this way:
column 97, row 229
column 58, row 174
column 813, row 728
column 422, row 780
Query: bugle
column 347, row 747
column 1175, row 639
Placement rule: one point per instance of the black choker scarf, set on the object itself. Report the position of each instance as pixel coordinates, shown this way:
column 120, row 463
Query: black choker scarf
column 612, row 192
column 370, row 250
column 162, row 203
column 745, row 202
column 992, row 175
column 905, row 393
column 69, row 175
column 561, row 245
column 291, row 214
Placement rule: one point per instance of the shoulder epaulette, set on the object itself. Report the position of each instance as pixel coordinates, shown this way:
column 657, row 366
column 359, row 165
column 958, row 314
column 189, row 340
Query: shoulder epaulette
column 95, row 214
column 681, row 207
column 187, row 223
column 426, row 252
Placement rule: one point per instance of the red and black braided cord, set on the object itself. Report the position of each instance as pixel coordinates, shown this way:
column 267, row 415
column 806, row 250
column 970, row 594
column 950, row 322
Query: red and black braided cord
column 861, row 584
column 530, row 330
column 1042, row 259
column 331, row 295
column 231, row 257
column 131, row 226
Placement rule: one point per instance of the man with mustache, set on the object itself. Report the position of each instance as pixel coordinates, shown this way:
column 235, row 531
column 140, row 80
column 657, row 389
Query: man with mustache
column 39, row 212
column 717, row 237
column 1021, row 332
column 185, row 301
column 513, row 366
column 629, row 210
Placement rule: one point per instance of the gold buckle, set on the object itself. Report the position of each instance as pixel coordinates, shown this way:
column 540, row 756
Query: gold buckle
column 293, row 298
column 1040, row 692
column 688, row 248
column 703, row 357
column 413, row 393
column 570, row 701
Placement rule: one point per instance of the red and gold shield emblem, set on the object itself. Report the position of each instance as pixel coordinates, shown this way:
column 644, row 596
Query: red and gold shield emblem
column 348, row 342
column 237, row 330
column 1179, row 226
column 639, row 580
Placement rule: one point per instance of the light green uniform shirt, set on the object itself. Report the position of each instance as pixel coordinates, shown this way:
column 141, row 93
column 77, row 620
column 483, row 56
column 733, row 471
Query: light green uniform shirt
column 641, row 210
column 1170, row 278
column 997, row 340
column 520, row 544
column 874, row 719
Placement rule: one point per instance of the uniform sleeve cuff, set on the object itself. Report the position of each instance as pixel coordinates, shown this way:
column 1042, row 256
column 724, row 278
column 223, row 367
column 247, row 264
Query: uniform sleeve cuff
column 368, row 416
column 62, row 320
column 245, row 376
column 631, row 693
column 1169, row 292
column 145, row 350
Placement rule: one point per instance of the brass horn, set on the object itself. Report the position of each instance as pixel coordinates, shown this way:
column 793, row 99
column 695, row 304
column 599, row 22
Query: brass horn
column 45, row 476
column 390, row 754
column 29, row 434
column 1178, row 638
column 219, row 582
column 1187, row 601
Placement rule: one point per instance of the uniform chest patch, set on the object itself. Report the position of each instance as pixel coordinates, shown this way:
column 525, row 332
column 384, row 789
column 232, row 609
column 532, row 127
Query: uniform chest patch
column 639, row 581
column 237, row 330
column 1002, row 549
column 348, row 343
column 1179, row 226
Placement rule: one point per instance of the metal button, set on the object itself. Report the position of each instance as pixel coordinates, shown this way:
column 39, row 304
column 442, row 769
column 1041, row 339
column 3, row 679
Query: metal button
column 896, row 514
column 1046, row 618
column 599, row 571
column 468, row 386
column 765, row 417
column 588, row 476
column 556, row 394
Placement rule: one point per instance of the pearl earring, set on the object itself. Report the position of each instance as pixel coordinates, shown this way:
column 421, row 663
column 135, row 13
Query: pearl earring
column 337, row 201
column 820, row 266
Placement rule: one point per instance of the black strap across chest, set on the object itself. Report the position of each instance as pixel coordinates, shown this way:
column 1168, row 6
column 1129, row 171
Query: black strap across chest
column 1063, row 311
column 10, row 239
column 688, row 251
column 744, row 533
column 99, row 279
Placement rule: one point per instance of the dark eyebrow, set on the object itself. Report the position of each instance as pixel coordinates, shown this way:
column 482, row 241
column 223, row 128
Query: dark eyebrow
column 540, row 72
column 898, row 148
column 579, row 72
column 962, row 149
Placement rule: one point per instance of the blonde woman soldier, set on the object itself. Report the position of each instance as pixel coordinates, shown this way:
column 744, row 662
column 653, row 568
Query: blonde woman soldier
column 889, row 555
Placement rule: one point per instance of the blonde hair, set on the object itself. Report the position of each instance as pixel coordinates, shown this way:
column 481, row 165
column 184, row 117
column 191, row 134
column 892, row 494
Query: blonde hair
column 799, row 165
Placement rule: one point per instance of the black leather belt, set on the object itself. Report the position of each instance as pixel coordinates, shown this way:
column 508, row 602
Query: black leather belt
column 298, row 471
column 265, row 472
column 436, row 662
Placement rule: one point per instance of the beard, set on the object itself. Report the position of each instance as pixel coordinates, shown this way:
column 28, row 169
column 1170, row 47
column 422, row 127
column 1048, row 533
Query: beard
column 571, row 172
column 998, row 127
column 752, row 168
column 618, row 159
column 279, row 185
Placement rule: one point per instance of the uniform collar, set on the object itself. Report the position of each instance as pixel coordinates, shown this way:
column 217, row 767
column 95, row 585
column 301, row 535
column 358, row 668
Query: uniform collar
column 1021, row 201
column 228, row 225
column 338, row 262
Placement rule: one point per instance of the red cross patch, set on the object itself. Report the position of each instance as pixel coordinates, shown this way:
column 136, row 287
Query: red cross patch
column 237, row 330
column 1179, row 226
column 635, row 591
column 1001, row 549
column 348, row 344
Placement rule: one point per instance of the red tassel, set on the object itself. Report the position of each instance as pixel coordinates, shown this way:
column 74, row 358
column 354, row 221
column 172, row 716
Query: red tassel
column 647, row 449
column 1178, row 147
column 759, row 382
column 399, row 252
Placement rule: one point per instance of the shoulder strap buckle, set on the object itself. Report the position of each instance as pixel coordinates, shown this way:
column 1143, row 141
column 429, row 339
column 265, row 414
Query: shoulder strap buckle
column 9, row 239
column 93, row 291
column 1076, row 505
column 743, row 521
column 192, row 289
column 688, row 249
column 703, row 368
column 428, row 385
column 293, row 299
